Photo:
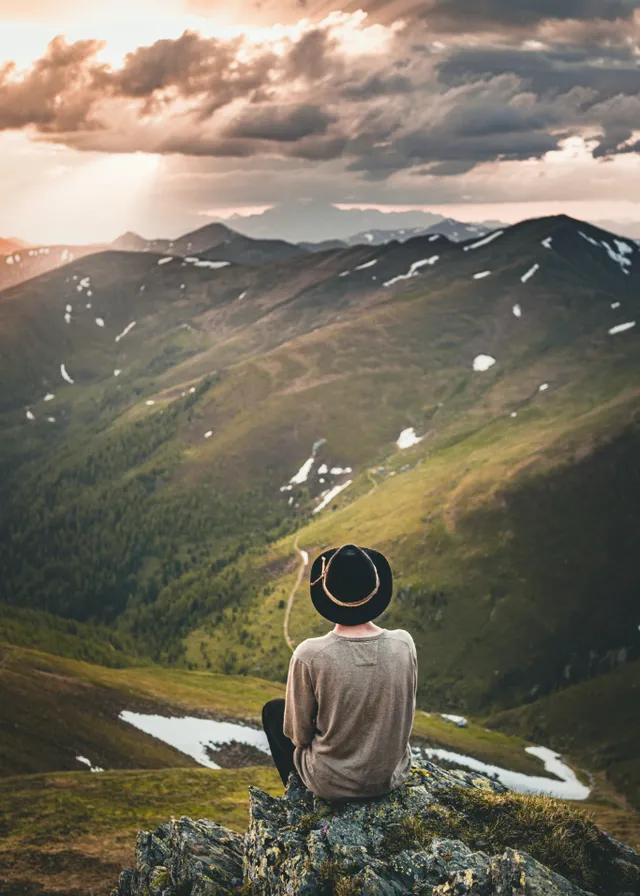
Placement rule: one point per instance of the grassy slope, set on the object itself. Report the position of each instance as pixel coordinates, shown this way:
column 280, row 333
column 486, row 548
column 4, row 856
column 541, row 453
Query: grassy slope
column 464, row 529
column 404, row 362
column 459, row 529
column 79, row 702
column 74, row 832
column 463, row 546
column 42, row 631
column 56, row 709
column 596, row 721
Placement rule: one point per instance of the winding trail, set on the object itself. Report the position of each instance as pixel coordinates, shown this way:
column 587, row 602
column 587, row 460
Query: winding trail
column 373, row 482
column 304, row 562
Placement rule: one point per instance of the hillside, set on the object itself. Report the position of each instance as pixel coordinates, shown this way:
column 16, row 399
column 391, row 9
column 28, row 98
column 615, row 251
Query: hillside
column 81, row 704
column 18, row 263
column 215, row 242
column 55, row 710
column 457, row 231
column 219, row 410
column 67, row 827
column 7, row 246
column 595, row 721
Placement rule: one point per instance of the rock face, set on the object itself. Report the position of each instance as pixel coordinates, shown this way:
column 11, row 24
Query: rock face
column 300, row 845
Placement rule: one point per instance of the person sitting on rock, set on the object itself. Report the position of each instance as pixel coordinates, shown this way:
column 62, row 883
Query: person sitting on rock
column 350, row 702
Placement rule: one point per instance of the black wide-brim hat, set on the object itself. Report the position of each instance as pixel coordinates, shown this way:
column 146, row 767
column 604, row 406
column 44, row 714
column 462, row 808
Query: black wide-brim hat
column 350, row 585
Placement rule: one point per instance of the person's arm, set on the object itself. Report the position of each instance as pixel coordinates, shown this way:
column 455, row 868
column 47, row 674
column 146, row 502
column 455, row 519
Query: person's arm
column 300, row 707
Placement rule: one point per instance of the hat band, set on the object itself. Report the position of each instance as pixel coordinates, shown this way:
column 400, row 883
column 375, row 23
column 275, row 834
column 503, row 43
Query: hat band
column 341, row 603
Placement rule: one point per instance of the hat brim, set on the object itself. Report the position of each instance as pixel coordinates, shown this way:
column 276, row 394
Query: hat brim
column 352, row 615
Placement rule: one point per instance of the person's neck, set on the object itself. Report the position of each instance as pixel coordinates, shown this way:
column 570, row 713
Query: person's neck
column 357, row 631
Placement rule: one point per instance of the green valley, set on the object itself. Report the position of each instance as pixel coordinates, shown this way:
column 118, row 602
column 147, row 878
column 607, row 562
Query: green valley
column 178, row 445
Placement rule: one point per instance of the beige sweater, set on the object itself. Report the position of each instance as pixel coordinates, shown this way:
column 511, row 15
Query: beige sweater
column 349, row 710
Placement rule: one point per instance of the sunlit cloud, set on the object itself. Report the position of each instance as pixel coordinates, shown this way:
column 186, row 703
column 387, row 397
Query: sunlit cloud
column 203, row 106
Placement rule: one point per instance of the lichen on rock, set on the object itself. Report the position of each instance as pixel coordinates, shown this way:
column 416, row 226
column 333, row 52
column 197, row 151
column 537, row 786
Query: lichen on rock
column 434, row 836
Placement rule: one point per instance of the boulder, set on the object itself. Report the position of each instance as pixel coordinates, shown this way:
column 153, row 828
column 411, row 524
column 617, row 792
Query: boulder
column 300, row 845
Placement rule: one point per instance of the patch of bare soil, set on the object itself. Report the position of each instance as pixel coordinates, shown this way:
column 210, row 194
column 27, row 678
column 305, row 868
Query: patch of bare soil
column 238, row 755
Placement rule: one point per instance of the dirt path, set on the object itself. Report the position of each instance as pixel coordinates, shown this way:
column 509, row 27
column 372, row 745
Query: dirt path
column 304, row 561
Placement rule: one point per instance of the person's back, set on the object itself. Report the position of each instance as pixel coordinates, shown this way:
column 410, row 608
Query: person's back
column 361, row 691
column 351, row 694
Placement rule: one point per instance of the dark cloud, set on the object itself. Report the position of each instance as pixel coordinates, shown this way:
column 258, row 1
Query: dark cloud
column 379, row 84
column 444, row 149
column 469, row 15
column 412, row 108
column 552, row 71
column 282, row 124
column 188, row 63
column 311, row 57
column 443, row 15
column 190, row 66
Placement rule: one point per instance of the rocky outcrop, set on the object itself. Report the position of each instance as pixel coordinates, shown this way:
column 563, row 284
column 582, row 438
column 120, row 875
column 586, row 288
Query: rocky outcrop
column 299, row 845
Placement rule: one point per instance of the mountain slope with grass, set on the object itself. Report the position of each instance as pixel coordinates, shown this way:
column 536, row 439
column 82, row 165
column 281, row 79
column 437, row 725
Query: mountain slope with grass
column 56, row 710
column 19, row 263
column 68, row 829
column 215, row 242
column 595, row 721
column 470, row 409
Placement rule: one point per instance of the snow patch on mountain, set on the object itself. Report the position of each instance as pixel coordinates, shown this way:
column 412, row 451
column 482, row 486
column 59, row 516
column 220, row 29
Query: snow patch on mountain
column 303, row 473
column 619, row 255
column 65, row 375
column 331, row 495
column 621, row 328
column 483, row 362
column 87, row 762
column 126, row 330
column 408, row 438
column 530, row 273
column 485, row 241
column 413, row 270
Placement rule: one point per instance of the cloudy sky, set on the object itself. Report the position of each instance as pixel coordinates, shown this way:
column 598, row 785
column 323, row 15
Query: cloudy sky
column 154, row 114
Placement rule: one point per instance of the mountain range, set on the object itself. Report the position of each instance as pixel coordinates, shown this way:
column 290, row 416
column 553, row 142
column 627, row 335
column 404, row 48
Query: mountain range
column 317, row 220
column 213, row 242
column 180, row 426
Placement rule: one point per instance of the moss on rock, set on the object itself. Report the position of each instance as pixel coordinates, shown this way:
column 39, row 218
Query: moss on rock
column 442, row 833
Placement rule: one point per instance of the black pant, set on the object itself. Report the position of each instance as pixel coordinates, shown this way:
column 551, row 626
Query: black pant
column 279, row 744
